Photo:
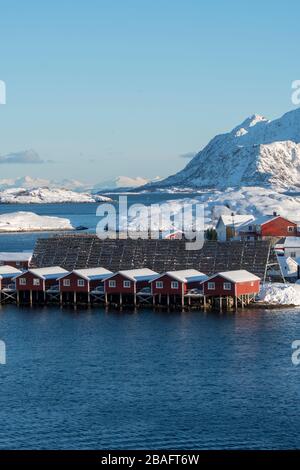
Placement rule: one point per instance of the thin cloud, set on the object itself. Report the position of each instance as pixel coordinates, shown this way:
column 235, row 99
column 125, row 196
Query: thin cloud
column 23, row 157
column 188, row 155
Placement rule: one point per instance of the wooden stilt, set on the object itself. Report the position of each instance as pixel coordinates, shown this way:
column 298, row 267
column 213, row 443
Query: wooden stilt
column 30, row 297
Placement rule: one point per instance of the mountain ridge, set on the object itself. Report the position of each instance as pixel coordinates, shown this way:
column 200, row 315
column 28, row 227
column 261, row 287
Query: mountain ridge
column 257, row 152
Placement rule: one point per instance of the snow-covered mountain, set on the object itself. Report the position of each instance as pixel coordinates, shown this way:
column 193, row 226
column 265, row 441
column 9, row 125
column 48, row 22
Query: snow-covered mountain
column 123, row 182
column 27, row 182
column 258, row 152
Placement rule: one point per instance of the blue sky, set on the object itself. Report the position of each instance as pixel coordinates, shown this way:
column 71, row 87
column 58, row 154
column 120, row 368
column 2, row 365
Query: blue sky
column 104, row 88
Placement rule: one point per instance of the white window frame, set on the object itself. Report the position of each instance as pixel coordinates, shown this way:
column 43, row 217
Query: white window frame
column 112, row 284
column 22, row 281
column 66, row 282
column 211, row 286
column 159, row 284
column 227, row 285
column 80, row 283
column 126, row 284
column 174, row 285
column 36, row 282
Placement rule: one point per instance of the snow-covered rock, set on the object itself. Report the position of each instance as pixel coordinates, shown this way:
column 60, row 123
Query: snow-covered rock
column 47, row 195
column 258, row 152
column 280, row 294
column 31, row 222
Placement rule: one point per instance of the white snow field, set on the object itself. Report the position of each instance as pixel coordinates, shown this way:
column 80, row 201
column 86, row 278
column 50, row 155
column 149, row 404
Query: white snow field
column 30, row 222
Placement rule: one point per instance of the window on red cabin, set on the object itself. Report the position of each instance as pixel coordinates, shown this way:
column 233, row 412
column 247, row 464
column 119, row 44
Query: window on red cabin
column 22, row 281
column 227, row 285
column 159, row 285
column 112, row 284
column 211, row 285
column 66, row 282
column 126, row 284
column 174, row 285
column 36, row 282
column 80, row 282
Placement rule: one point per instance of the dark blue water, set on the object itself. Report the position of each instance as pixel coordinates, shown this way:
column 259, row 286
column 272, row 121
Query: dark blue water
column 91, row 379
column 97, row 379
column 78, row 214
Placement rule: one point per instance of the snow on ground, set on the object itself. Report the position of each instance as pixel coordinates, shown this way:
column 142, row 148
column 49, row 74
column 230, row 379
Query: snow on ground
column 280, row 294
column 255, row 201
column 47, row 196
column 30, row 222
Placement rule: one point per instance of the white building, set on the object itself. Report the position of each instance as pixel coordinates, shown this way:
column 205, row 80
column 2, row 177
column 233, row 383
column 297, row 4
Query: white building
column 228, row 225
column 289, row 247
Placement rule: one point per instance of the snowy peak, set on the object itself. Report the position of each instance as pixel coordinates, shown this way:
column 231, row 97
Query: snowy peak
column 258, row 152
column 251, row 121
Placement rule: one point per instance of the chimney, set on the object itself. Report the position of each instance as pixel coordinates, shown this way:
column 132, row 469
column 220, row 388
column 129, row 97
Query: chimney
column 275, row 214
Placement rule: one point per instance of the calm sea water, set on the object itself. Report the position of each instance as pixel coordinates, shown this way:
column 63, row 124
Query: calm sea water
column 91, row 379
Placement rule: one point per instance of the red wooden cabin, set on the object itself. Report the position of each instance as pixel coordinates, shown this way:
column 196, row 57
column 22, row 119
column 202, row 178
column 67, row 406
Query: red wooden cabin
column 83, row 280
column 40, row 279
column 177, row 282
column 231, row 284
column 17, row 260
column 269, row 226
column 7, row 276
column 129, row 282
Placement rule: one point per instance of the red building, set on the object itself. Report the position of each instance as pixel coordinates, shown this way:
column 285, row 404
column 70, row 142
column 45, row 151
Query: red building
column 7, row 276
column 39, row 280
column 269, row 226
column 83, row 280
column 177, row 282
column 236, row 284
column 17, row 260
column 128, row 282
